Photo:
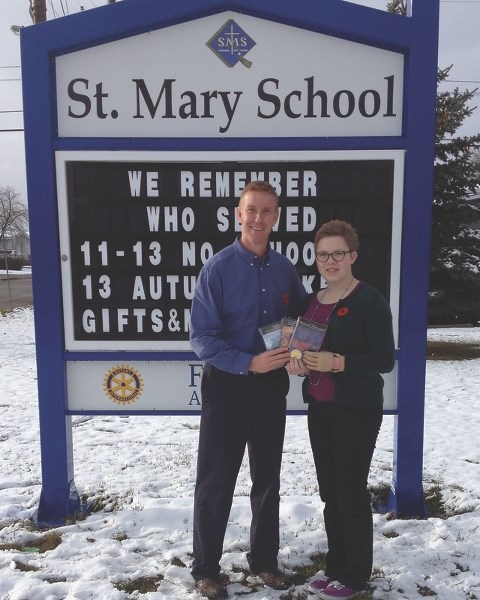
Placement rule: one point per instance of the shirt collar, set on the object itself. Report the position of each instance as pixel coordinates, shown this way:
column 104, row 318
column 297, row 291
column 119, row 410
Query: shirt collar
column 249, row 256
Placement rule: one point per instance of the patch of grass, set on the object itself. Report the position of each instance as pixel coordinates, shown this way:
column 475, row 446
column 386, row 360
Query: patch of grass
column 461, row 568
column 391, row 535
column 30, row 525
column 379, row 495
column 250, row 586
column 9, row 547
column 49, row 541
column 435, row 504
column 423, row 590
column 142, row 585
column 304, row 572
column 102, row 503
column 176, row 562
column 56, row 579
column 193, row 426
column 294, row 595
column 23, row 567
column 437, row 350
column 41, row 544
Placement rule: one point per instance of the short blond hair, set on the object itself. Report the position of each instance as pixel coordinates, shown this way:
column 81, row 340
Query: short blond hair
column 338, row 228
column 258, row 186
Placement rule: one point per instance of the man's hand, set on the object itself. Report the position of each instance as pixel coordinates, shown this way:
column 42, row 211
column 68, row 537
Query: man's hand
column 296, row 367
column 270, row 360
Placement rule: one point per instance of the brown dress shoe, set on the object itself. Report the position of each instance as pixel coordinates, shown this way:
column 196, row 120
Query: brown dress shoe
column 211, row 588
column 275, row 579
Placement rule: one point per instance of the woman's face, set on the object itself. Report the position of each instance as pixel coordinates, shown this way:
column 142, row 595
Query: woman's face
column 334, row 271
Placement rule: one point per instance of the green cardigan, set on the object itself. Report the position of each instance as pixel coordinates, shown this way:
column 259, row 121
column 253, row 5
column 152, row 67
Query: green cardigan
column 360, row 329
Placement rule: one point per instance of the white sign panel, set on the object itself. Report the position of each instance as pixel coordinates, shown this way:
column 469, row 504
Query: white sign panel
column 230, row 75
column 163, row 386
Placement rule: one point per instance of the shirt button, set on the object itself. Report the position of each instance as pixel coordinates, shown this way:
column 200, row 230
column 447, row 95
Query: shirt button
column 263, row 290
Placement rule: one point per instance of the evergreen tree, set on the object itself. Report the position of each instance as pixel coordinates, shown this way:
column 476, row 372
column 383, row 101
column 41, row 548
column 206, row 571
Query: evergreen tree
column 455, row 249
column 398, row 7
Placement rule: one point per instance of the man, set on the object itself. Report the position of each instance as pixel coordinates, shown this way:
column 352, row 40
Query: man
column 244, row 388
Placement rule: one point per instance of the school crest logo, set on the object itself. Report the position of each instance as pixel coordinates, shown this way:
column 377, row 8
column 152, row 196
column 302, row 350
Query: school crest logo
column 123, row 385
column 230, row 43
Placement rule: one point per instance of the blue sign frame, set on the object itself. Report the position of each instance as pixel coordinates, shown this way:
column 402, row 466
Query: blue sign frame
column 416, row 37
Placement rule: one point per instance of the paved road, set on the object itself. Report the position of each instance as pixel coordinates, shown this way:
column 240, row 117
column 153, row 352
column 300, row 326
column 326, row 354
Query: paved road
column 20, row 291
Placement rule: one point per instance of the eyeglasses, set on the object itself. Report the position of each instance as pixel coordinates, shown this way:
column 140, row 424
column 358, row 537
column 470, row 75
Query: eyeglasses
column 337, row 256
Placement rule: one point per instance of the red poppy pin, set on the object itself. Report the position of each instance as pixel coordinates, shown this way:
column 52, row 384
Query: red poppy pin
column 341, row 312
column 285, row 298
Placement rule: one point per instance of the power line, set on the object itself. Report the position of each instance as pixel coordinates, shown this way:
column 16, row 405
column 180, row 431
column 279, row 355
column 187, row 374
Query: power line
column 63, row 8
column 461, row 80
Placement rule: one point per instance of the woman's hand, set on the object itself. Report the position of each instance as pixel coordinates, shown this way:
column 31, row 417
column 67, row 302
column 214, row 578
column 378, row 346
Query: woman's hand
column 296, row 367
column 318, row 361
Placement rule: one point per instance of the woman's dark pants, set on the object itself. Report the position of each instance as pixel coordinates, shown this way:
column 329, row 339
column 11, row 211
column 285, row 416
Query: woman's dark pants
column 343, row 440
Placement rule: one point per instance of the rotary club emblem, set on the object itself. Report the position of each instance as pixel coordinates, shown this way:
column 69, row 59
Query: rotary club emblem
column 123, row 385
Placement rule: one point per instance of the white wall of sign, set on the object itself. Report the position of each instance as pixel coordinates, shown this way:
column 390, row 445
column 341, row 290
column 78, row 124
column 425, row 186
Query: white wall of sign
column 169, row 83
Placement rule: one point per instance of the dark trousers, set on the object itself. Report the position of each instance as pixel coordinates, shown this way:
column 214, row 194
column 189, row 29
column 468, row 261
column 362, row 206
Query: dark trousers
column 343, row 440
column 237, row 412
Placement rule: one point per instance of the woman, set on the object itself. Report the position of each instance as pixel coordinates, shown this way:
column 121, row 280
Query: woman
column 344, row 391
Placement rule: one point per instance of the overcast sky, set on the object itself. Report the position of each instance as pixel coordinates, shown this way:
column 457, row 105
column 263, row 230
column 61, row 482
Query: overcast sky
column 459, row 45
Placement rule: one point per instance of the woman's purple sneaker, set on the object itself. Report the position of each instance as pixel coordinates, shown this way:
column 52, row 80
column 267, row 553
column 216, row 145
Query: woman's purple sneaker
column 338, row 591
column 320, row 583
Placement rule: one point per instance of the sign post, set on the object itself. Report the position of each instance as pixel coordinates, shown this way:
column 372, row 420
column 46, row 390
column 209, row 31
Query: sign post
column 144, row 120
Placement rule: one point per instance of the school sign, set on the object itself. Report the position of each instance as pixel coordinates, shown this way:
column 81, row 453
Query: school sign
column 144, row 120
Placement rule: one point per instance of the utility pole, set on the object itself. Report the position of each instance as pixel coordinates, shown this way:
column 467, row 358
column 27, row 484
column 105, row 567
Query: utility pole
column 38, row 11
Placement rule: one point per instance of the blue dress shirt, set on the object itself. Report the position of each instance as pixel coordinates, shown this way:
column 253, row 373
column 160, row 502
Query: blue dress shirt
column 236, row 293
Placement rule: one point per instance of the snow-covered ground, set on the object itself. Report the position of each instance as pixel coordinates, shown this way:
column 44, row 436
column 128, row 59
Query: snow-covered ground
column 25, row 272
column 140, row 472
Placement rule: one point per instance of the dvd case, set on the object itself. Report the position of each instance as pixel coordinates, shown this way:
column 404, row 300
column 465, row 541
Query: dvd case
column 271, row 334
column 288, row 325
column 307, row 335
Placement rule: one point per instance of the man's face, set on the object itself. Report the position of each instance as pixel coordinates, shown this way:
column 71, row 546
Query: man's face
column 257, row 213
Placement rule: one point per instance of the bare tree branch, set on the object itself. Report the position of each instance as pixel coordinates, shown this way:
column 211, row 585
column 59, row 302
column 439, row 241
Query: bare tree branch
column 13, row 213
